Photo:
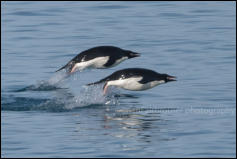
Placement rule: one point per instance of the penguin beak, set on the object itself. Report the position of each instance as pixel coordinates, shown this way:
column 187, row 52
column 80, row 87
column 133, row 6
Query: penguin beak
column 133, row 54
column 171, row 78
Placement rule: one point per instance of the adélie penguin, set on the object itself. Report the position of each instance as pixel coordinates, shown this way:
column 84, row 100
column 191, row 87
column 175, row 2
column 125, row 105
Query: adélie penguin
column 135, row 79
column 98, row 57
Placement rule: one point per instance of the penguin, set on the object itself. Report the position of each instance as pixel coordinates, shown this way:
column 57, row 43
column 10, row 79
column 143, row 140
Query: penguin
column 134, row 79
column 98, row 57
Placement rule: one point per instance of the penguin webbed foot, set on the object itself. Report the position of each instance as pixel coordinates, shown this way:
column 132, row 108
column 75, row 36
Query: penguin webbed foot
column 105, row 88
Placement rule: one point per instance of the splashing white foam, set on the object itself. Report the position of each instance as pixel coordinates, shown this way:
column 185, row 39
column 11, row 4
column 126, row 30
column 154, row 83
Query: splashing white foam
column 91, row 95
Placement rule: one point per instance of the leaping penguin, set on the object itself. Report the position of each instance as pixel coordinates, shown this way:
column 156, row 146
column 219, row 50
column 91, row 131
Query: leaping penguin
column 98, row 57
column 135, row 79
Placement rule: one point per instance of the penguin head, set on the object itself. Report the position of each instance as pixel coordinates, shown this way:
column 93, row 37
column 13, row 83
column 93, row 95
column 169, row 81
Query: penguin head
column 169, row 78
column 131, row 54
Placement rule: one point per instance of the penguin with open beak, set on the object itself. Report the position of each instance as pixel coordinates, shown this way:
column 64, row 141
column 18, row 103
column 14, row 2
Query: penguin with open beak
column 98, row 57
column 134, row 79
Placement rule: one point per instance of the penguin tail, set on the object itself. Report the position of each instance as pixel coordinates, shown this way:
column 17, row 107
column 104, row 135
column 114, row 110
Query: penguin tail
column 69, row 66
column 99, row 82
column 62, row 68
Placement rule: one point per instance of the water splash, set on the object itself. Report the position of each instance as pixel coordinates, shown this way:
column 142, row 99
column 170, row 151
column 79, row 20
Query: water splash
column 58, row 77
column 59, row 93
column 51, row 84
column 60, row 100
column 92, row 95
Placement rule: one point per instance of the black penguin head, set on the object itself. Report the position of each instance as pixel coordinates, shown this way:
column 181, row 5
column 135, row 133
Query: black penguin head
column 169, row 78
column 131, row 54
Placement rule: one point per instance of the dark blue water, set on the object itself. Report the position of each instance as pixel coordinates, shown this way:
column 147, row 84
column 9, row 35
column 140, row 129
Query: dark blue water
column 44, row 115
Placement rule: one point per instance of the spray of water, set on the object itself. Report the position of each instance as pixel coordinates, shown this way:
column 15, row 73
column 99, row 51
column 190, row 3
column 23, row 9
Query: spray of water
column 69, row 93
column 89, row 95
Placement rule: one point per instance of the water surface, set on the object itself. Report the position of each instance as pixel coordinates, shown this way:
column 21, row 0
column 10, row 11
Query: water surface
column 44, row 116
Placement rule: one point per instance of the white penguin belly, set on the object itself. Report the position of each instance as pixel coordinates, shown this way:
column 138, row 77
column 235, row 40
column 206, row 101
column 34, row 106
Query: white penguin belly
column 119, row 61
column 94, row 63
column 133, row 84
column 151, row 84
